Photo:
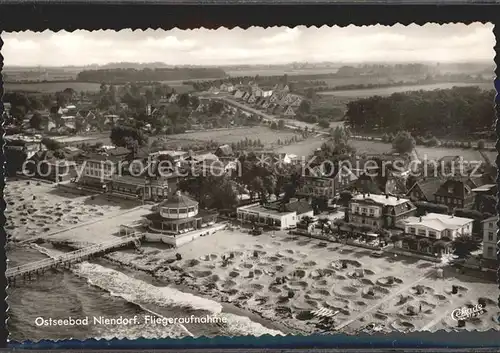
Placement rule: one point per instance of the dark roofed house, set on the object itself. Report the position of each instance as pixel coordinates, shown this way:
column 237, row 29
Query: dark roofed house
column 455, row 193
column 424, row 190
column 118, row 152
column 366, row 183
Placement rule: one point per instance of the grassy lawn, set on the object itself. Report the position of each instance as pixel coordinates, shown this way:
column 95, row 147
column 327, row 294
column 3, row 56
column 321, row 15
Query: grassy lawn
column 267, row 136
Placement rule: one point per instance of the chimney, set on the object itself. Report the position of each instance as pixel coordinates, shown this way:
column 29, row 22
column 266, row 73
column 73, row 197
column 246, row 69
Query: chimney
column 420, row 219
column 386, row 195
column 397, row 198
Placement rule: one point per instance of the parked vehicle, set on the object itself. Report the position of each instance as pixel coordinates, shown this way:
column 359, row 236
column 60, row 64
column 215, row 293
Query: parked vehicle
column 377, row 254
column 256, row 231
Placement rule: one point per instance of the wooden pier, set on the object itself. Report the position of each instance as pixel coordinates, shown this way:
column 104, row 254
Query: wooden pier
column 31, row 270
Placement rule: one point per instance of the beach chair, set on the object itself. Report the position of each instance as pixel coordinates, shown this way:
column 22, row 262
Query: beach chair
column 324, row 312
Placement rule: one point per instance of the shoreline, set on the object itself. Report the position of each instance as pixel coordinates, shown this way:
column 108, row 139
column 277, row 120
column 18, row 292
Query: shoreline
column 227, row 307
column 153, row 277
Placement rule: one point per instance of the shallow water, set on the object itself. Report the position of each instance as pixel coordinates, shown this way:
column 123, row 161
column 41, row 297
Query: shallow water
column 102, row 289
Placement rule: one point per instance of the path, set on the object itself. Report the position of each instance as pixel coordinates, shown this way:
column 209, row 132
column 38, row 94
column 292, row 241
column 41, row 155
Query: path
column 384, row 300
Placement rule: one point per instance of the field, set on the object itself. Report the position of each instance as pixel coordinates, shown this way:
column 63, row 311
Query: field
column 280, row 72
column 429, row 153
column 385, row 91
column 307, row 147
column 52, row 87
column 222, row 136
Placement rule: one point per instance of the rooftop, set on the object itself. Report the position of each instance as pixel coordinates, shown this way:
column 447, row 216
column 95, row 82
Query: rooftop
column 262, row 209
column 169, row 153
column 385, row 200
column 438, row 221
column 489, row 219
column 486, row 187
column 178, row 200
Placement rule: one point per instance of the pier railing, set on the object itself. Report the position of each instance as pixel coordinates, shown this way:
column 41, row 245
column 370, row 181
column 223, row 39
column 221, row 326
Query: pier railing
column 69, row 258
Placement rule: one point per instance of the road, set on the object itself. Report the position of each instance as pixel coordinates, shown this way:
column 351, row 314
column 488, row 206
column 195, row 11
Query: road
column 289, row 123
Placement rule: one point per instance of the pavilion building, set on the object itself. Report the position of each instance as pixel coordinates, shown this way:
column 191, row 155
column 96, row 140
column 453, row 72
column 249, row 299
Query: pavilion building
column 179, row 214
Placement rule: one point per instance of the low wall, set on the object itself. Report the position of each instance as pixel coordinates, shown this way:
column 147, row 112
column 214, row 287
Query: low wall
column 182, row 239
column 333, row 240
column 400, row 251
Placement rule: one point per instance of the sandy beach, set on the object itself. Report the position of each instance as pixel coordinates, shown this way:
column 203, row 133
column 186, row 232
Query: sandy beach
column 402, row 294
column 38, row 209
column 279, row 277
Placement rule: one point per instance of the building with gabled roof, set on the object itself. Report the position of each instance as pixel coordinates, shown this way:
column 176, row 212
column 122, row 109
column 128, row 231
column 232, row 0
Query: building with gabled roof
column 437, row 226
column 289, row 111
column 379, row 211
column 424, row 190
column 238, row 94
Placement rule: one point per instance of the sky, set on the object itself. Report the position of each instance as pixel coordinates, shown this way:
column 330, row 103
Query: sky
column 277, row 45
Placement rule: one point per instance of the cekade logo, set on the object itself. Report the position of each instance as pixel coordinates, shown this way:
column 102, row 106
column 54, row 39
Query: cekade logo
column 467, row 312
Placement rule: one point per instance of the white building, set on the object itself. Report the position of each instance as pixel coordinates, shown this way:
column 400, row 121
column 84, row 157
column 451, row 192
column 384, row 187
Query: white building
column 490, row 229
column 379, row 211
column 277, row 215
column 437, row 226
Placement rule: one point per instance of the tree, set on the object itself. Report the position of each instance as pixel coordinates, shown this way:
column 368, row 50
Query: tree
column 103, row 89
column 403, row 142
column 365, row 228
column 345, row 197
column 424, row 243
column 274, row 126
column 323, row 222
column 52, row 145
column 464, row 245
column 339, row 223
column 423, row 207
column 319, row 204
column 257, row 187
column 324, row 123
column 150, row 98
column 458, row 111
column 481, row 145
column 410, row 240
column 194, row 101
column 36, row 121
column 306, row 221
column 433, row 142
column 305, row 107
column 439, row 246
column 128, row 137
column 341, row 135
column 281, row 124
column 394, row 239
column 183, row 101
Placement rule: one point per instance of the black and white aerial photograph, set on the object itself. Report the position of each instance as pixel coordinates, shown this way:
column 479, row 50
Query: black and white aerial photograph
column 267, row 181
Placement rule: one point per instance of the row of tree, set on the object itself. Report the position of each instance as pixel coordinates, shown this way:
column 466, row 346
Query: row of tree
column 159, row 74
column 458, row 111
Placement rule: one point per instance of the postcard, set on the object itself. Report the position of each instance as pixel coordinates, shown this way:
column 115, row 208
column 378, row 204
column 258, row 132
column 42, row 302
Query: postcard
column 251, row 181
